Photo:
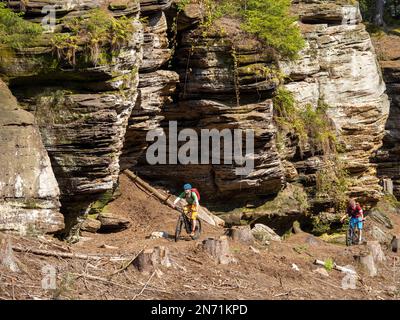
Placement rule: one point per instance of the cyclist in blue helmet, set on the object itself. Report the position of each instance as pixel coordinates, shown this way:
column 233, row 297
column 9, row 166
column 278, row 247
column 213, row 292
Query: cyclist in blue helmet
column 192, row 198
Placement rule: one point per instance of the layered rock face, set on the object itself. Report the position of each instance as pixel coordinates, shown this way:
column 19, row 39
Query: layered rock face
column 156, row 84
column 339, row 68
column 82, row 110
column 29, row 193
column 388, row 157
column 214, row 94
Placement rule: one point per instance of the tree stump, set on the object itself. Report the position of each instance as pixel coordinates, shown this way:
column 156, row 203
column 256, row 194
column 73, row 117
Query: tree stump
column 241, row 234
column 149, row 259
column 7, row 259
column 112, row 224
column 376, row 251
column 367, row 261
column 218, row 249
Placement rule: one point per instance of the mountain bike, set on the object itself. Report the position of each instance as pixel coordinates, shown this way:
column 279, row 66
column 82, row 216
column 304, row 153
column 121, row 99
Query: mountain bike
column 184, row 220
column 353, row 234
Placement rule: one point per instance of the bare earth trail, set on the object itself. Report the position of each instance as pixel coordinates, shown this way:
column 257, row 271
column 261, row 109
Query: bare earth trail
column 263, row 274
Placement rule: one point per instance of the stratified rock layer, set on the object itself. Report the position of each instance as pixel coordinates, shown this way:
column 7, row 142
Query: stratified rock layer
column 339, row 68
column 29, row 194
column 388, row 157
column 82, row 110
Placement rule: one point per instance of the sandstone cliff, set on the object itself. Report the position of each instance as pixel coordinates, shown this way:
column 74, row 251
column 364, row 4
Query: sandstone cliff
column 29, row 194
column 94, row 105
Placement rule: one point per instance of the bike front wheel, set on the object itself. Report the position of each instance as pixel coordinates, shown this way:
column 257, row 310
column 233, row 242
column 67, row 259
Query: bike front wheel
column 178, row 228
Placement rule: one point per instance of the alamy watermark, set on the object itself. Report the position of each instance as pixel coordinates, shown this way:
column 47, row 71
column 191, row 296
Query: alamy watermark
column 198, row 150
column 49, row 21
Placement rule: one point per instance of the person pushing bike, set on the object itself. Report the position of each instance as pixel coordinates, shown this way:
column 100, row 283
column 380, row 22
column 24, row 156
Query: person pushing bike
column 356, row 214
column 192, row 199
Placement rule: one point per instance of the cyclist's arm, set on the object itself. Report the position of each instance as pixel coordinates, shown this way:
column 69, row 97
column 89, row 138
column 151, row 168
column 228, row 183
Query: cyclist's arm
column 180, row 197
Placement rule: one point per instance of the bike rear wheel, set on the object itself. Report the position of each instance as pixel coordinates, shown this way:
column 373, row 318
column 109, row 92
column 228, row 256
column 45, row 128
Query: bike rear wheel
column 356, row 236
column 349, row 237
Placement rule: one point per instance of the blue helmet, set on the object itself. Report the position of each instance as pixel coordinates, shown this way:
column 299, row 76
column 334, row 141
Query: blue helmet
column 187, row 186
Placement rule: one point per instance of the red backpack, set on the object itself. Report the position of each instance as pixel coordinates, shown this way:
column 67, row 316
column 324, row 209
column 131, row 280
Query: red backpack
column 197, row 193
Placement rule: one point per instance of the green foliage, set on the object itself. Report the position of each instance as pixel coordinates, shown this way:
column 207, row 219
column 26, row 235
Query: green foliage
column 181, row 4
column 311, row 125
column 315, row 132
column 329, row 264
column 99, row 33
column 15, row 31
column 269, row 20
column 332, row 183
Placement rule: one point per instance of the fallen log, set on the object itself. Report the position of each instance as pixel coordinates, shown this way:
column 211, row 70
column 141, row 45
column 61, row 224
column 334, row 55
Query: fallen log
column 61, row 254
column 203, row 213
column 336, row 267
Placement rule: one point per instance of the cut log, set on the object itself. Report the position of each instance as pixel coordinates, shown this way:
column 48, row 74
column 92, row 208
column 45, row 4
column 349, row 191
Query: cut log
column 110, row 223
column 218, row 249
column 203, row 213
column 149, row 259
column 241, row 234
column 7, row 258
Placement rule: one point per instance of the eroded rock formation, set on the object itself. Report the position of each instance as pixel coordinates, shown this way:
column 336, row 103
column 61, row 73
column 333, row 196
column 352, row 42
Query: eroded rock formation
column 339, row 68
column 29, row 194
column 82, row 109
column 388, row 157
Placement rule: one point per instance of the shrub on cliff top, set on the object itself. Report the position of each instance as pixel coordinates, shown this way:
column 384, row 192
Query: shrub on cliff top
column 99, row 33
column 269, row 20
column 14, row 30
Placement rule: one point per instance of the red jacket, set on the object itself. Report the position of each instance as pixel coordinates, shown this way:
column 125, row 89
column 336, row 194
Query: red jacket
column 356, row 212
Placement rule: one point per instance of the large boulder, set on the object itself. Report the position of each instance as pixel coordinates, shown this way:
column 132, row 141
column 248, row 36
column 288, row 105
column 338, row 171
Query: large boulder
column 29, row 193
column 264, row 234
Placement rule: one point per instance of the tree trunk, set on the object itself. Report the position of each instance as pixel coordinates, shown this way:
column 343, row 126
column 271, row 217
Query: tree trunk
column 379, row 11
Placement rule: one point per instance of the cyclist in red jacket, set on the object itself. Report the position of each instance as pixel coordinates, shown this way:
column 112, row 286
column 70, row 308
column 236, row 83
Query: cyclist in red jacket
column 356, row 214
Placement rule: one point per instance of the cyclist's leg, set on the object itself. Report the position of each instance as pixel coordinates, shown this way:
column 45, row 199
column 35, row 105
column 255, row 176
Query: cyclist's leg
column 359, row 227
column 352, row 226
column 194, row 218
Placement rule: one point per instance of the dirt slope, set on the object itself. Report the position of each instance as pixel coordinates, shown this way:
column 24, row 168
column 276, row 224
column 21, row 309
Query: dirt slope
column 267, row 274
